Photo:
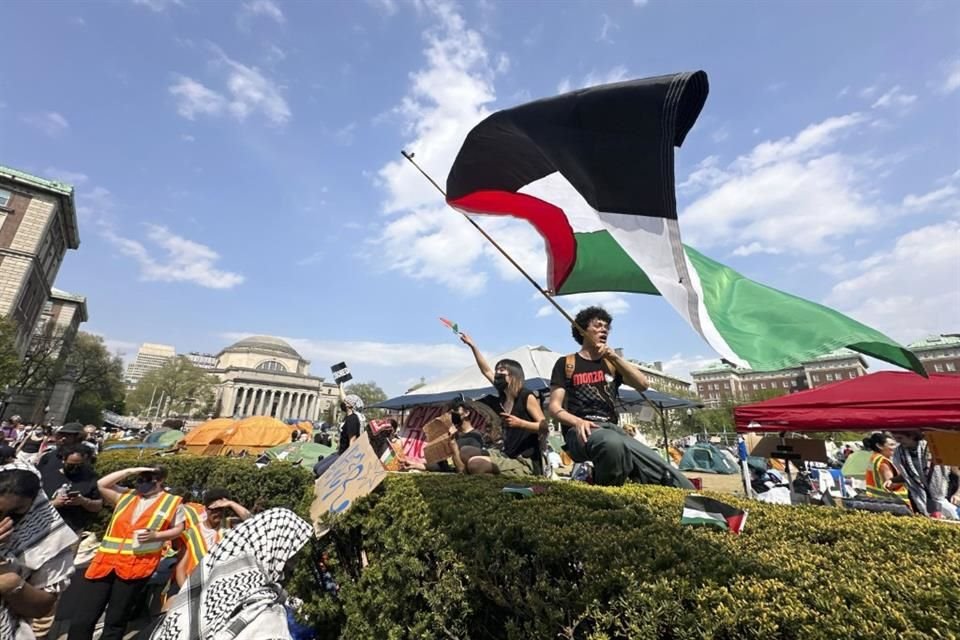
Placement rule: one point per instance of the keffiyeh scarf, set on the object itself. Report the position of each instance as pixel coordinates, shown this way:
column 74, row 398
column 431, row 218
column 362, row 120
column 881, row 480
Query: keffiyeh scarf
column 235, row 589
column 38, row 538
column 926, row 482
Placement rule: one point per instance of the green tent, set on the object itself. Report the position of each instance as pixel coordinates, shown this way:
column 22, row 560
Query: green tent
column 706, row 458
column 165, row 437
column 307, row 453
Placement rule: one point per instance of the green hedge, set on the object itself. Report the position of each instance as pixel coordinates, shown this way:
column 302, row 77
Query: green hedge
column 453, row 557
column 276, row 485
column 445, row 556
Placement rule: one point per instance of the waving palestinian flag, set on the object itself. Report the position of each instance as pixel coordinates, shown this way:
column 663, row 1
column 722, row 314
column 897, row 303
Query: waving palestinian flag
column 593, row 172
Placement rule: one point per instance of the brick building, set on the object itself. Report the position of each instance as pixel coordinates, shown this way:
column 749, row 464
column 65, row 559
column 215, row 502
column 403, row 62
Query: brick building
column 38, row 223
column 720, row 382
column 939, row 354
column 658, row 379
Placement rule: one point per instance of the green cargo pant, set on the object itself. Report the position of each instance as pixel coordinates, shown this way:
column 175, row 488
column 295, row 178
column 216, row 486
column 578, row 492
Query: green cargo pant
column 617, row 457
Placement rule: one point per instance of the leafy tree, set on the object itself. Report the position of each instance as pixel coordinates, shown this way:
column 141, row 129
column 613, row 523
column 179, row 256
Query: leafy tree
column 9, row 358
column 184, row 388
column 43, row 363
column 370, row 393
column 98, row 379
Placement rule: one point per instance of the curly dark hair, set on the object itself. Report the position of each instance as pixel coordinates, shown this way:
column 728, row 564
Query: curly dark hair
column 585, row 317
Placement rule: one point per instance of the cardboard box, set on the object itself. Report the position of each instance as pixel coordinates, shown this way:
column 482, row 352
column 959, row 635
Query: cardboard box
column 437, row 434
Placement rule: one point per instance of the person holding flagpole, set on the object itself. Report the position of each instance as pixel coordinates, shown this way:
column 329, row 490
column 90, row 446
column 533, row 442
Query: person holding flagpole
column 584, row 388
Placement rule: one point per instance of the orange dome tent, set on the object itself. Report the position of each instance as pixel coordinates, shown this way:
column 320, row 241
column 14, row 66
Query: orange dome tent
column 256, row 434
column 200, row 437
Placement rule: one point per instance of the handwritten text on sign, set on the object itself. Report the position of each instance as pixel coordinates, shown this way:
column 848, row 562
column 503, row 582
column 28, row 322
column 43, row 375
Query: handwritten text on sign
column 356, row 473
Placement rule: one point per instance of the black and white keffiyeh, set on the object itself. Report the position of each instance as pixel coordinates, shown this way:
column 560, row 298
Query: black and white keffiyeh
column 40, row 536
column 235, row 589
column 926, row 482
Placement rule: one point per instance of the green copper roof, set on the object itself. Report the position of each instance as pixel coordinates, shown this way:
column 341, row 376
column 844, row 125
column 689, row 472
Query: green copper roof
column 936, row 342
column 60, row 188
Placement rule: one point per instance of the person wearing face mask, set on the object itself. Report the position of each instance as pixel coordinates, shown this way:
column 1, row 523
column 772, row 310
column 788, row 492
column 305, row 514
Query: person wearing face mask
column 519, row 453
column 68, row 435
column 72, row 487
column 115, row 582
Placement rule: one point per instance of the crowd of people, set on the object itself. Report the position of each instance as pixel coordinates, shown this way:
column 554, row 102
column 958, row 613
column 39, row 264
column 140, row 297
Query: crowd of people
column 158, row 540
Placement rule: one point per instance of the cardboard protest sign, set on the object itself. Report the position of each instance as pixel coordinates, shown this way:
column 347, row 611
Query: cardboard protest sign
column 945, row 446
column 341, row 373
column 793, row 449
column 356, row 473
column 437, row 433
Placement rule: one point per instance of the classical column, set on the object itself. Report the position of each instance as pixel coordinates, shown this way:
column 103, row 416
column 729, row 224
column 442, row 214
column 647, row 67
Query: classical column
column 262, row 404
column 271, row 398
column 298, row 407
column 282, row 406
column 254, row 400
column 310, row 402
column 241, row 400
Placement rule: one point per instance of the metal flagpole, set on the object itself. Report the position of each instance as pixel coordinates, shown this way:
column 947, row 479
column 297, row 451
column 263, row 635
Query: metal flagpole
column 536, row 285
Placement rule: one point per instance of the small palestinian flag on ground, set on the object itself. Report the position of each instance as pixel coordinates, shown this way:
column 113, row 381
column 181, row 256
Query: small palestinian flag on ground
column 702, row 510
column 593, row 172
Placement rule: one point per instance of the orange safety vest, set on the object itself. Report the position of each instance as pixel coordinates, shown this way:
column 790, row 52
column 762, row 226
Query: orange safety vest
column 194, row 544
column 874, row 480
column 117, row 552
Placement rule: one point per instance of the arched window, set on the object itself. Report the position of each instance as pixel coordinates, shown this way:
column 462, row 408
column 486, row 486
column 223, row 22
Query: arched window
column 271, row 365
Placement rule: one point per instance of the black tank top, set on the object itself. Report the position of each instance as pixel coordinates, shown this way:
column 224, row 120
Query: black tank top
column 521, row 442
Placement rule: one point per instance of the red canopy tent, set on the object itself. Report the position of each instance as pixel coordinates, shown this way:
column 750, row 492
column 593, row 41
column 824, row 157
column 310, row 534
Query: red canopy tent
column 886, row 400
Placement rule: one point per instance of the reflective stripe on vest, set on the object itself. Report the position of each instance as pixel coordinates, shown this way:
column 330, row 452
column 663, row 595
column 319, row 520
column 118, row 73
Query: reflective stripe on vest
column 194, row 541
column 117, row 552
column 874, row 481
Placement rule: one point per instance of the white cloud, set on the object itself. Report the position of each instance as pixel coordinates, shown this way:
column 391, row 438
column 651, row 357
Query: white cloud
column 721, row 134
column 257, row 9
column 607, row 27
column 868, row 92
column 344, row 135
column 616, row 74
column 158, row 5
column 951, row 80
column 754, row 248
column 246, row 91
column 931, row 199
column 49, row 123
column 449, row 355
column 94, row 205
column 790, row 195
column 911, row 290
column 125, row 349
column 186, row 137
column 615, row 303
column 681, row 365
column 70, row 177
column 185, row 260
column 193, row 98
column 894, row 98
column 640, row 3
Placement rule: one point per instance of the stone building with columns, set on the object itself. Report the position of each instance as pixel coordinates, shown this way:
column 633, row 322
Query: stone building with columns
column 265, row 376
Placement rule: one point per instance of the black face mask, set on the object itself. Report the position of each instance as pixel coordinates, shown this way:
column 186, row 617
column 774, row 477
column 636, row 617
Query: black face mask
column 343, row 407
column 72, row 470
column 456, row 418
column 500, row 382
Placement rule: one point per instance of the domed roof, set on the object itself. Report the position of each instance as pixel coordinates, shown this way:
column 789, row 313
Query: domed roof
column 267, row 344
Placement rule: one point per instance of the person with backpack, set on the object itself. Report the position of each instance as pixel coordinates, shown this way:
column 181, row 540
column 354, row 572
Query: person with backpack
column 584, row 388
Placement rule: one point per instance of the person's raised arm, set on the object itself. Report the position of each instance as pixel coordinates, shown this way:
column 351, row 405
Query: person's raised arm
column 108, row 484
column 242, row 512
column 482, row 363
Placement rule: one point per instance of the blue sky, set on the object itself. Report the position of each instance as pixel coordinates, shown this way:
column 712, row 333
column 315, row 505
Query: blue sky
column 237, row 164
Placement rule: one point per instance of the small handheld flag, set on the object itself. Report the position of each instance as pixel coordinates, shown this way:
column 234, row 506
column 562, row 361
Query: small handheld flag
column 700, row 510
column 450, row 325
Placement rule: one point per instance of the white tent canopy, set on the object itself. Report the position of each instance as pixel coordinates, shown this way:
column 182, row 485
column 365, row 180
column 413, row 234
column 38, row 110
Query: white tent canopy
column 537, row 362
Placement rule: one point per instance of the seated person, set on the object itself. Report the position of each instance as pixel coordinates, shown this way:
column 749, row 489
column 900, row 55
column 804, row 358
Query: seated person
column 519, row 453
column 583, row 394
